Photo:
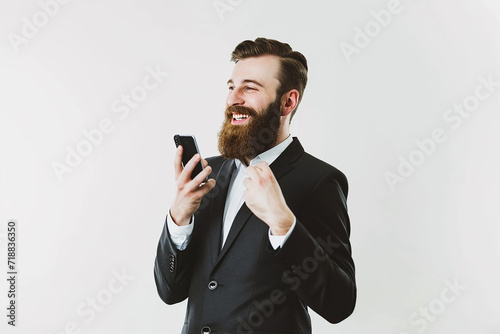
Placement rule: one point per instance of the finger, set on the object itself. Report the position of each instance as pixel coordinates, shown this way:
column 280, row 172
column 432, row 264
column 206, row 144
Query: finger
column 178, row 162
column 205, row 163
column 264, row 170
column 247, row 196
column 185, row 176
column 202, row 176
column 206, row 187
column 252, row 172
column 247, row 182
column 263, row 167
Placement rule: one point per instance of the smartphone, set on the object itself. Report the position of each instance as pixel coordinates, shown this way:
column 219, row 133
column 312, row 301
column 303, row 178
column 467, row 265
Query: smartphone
column 189, row 149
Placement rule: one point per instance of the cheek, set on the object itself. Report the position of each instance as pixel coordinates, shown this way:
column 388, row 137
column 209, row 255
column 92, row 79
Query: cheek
column 258, row 104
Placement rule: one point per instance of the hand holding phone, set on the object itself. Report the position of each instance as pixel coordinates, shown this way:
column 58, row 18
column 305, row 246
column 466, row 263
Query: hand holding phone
column 188, row 194
column 189, row 149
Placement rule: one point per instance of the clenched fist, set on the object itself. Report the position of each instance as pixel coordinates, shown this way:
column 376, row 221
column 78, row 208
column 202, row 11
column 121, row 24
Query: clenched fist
column 264, row 198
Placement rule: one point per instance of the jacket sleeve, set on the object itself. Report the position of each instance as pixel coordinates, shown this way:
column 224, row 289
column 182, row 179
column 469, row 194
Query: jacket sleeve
column 316, row 259
column 172, row 269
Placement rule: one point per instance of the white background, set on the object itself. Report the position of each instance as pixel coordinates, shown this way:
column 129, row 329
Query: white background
column 360, row 113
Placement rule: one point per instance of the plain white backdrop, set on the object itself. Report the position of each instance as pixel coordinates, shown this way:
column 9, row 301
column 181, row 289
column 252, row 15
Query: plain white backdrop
column 384, row 76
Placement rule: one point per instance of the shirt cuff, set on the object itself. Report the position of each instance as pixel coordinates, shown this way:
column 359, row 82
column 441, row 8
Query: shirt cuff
column 180, row 235
column 278, row 241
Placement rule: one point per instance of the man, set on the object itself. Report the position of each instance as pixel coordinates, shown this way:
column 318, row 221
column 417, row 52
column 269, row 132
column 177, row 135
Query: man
column 267, row 236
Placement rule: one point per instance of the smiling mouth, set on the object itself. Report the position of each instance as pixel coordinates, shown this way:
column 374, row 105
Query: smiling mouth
column 239, row 118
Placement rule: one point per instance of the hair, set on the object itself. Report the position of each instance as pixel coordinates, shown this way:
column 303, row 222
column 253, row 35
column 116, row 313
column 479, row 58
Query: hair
column 293, row 71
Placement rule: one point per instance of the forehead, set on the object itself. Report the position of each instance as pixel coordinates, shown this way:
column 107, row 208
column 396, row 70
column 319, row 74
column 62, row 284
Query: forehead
column 263, row 69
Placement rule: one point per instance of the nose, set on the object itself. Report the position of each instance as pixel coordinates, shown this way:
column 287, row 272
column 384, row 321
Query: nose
column 234, row 98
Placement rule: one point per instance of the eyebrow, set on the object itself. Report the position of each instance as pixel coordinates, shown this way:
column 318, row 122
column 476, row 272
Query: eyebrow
column 230, row 81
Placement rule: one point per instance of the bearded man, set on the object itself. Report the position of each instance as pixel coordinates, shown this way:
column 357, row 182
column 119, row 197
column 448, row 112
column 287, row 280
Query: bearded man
column 267, row 236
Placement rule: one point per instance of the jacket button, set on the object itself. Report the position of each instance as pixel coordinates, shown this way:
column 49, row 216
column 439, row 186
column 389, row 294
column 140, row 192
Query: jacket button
column 212, row 286
column 206, row 330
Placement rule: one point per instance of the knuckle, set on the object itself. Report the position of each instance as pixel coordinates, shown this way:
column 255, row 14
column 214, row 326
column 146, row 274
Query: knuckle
column 196, row 199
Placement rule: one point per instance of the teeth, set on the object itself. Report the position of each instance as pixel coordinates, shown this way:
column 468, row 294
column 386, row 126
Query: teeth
column 239, row 117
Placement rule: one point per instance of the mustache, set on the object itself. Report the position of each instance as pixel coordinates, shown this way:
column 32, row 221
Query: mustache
column 240, row 110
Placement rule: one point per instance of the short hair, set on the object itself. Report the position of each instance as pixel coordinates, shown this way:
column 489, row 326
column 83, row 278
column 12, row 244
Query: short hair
column 293, row 71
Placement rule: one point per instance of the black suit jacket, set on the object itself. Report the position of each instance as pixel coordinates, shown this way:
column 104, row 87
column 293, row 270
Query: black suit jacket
column 248, row 287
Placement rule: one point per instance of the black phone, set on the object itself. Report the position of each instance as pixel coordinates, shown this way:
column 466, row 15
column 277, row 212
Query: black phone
column 189, row 149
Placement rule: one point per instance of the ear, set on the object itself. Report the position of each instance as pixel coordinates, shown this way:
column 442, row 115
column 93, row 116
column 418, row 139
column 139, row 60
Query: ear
column 289, row 102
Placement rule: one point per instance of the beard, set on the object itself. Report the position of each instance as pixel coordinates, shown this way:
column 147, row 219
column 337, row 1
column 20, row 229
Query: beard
column 256, row 135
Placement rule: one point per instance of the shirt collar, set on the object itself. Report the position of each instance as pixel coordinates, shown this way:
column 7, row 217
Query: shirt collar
column 270, row 155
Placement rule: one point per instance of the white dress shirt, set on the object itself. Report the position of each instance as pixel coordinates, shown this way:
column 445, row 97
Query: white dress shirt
column 180, row 235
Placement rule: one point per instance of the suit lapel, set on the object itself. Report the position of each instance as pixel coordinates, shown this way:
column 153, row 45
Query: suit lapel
column 280, row 166
column 239, row 221
column 222, row 180
column 284, row 163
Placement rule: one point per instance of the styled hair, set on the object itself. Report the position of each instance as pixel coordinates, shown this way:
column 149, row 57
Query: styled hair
column 293, row 71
